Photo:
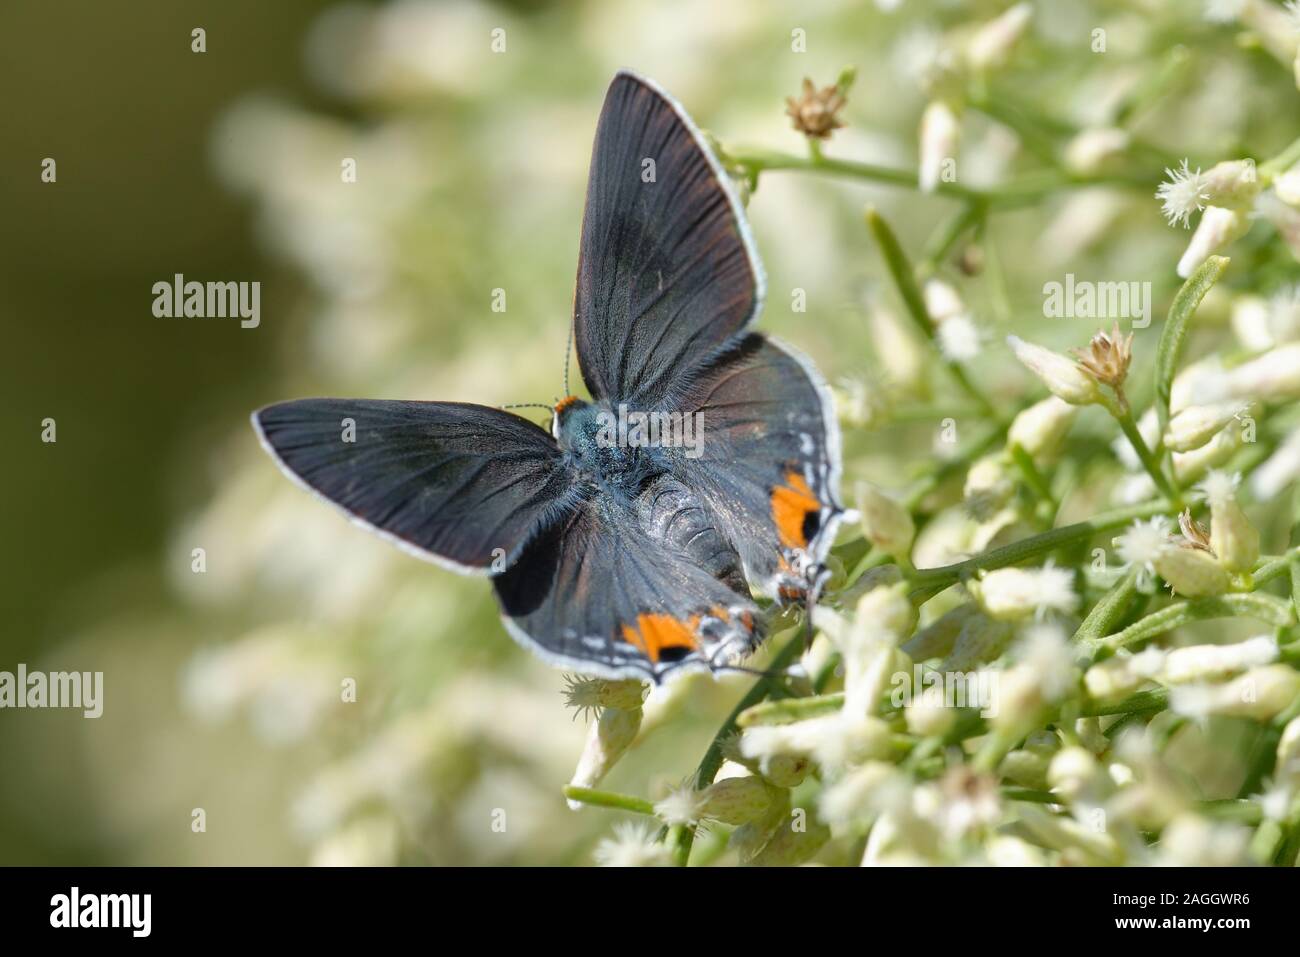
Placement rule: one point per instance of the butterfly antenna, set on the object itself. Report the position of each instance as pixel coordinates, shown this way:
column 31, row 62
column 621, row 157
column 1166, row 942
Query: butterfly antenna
column 568, row 351
column 527, row 405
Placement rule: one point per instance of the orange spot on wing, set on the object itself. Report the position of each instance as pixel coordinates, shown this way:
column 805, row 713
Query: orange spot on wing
column 791, row 505
column 655, row 632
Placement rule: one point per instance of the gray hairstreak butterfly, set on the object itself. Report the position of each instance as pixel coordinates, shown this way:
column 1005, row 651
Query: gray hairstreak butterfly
column 623, row 542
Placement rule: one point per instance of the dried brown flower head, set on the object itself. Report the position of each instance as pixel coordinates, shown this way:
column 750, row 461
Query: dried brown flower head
column 814, row 111
column 1194, row 533
column 1107, row 357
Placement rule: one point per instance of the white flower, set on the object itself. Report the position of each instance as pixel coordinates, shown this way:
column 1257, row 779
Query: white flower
column 1218, row 227
column 1205, row 662
column 1195, row 425
column 1219, row 487
column 1046, row 652
column 1278, row 471
column 1185, row 193
column 942, row 301
column 886, row 523
column 1089, row 150
column 1011, row 593
column 1060, row 374
column 940, row 133
column 683, row 805
column 1141, row 546
column 608, row 739
column 959, row 339
column 1275, row 803
column 1193, row 841
column 1223, row 11
column 633, row 845
column 1039, row 429
column 992, row 43
column 1261, row 693
column 1273, row 375
column 1232, row 537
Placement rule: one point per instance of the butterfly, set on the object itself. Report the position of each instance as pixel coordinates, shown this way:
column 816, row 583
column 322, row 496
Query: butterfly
column 624, row 541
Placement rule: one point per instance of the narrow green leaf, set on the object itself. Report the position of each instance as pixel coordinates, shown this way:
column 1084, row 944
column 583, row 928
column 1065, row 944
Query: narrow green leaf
column 1171, row 338
column 900, row 269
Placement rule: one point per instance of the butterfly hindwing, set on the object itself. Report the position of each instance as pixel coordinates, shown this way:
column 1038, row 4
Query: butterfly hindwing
column 768, row 460
column 634, row 589
column 461, row 484
column 667, row 271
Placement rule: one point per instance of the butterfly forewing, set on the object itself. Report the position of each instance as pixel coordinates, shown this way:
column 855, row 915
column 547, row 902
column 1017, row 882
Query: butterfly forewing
column 458, row 483
column 667, row 271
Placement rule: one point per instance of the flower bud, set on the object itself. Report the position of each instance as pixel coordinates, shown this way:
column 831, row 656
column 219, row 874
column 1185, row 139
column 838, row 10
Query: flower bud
column 1039, row 429
column 886, row 524
column 594, row 693
column 929, row 715
column 1004, row 850
column 1232, row 183
column 1073, row 773
column 1025, row 768
column 738, row 800
column 1010, row 594
column 988, row 486
column 1091, row 149
column 1189, row 466
column 1190, row 840
column 1233, row 539
column 1261, row 693
column 940, row 133
column 1218, row 227
column 1209, row 662
column 942, row 301
column 1288, row 750
column 990, row 46
column 1287, row 186
column 1197, row 424
column 794, row 842
column 607, row 739
column 1063, row 378
column 786, row 770
column 1192, row 573
column 1115, row 678
column 1274, row 375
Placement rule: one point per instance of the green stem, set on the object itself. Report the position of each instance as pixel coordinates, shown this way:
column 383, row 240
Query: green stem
column 931, row 581
column 620, row 802
column 1258, row 605
column 681, row 837
column 1109, row 609
column 1279, row 163
column 789, row 710
column 900, row 268
column 1124, row 416
column 1033, row 477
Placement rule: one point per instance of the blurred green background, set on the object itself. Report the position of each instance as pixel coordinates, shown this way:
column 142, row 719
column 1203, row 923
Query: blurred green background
column 222, row 689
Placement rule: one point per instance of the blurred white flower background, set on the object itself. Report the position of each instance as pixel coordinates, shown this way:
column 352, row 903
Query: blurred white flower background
column 235, row 694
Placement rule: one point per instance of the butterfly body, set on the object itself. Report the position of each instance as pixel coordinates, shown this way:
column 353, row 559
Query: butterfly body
column 630, row 539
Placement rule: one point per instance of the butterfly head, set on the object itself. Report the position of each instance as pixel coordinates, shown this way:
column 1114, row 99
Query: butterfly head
column 564, row 410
